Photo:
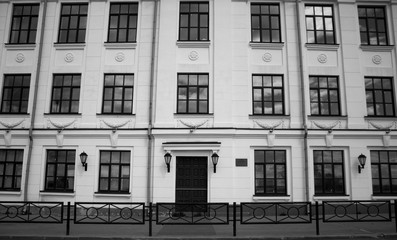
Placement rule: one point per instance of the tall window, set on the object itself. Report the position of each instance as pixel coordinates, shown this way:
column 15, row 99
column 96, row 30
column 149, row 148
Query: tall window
column 24, row 23
column 60, row 170
column 380, row 97
column 265, row 23
column 384, row 172
column 328, row 172
column 15, row 94
column 270, row 172
column 320, row 24
column 10, row 169
column 114, row 171
column 373, row 28
column 123, row 22
column 324, row 95
column 194, row 21
column 192, row 93
column 73, row 24
column 118, row 93
column 65, row 93
column 268, row 94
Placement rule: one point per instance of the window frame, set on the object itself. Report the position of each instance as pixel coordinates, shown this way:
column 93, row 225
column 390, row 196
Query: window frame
column 273, row 88
column 128, row 28
column 367, row 31
column 199, row 26
column 56, row 164
column 383, row 103
column 68, row 29
column 30, row 30
column 197, row 99
column 275, row 179
column 124, row 88
column 261, row 27
column 14, row 175
column 318, row 92
column 22, row 97
column 70, row 99
column 381, row 179
column 324, row 30
column 119, row 177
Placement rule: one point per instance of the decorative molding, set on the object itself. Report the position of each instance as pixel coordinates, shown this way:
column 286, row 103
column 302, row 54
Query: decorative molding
column 20, row 46
column 59, row 139
column 114, row 137
column 267, row 57
column 386, row 139
column 193, row 44
column 329, row 139
column 193, row 55
column 273, row 46
column 8, row 138
column 193, row 125
column 69, row 57
column 114, row 124
column 324, row 47
column 20, row 58
column 375, row 48
column 119, row 57
column 322, row 58
column 270, row 126
column 270, row 138
column 11, row 125
column 327, row 126
column 69, row 46
column 376, row 59
column 60, row 125
column 120, row 45
column 382, row 127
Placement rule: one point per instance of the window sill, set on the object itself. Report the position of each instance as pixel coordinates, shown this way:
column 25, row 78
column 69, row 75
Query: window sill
column 331, row 197
column 326, row 117
column 263, row 116
column 62, row 114
column 10, row 192
column 51, row 193
column 384, row 197
column 17, row 46
column 262, row 45
column 377, row 48
column 116, row 114
column 380, row 118
column 123, row 45
column 314, row 46
column 193, row 44
column 193, row 115
column 16, row 114
column 121, row 195
column 69, row 46
column 284, row 198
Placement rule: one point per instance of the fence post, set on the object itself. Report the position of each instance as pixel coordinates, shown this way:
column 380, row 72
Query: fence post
column 68, row 220
column 317, row 220
column 150, row 219
column 234, row 219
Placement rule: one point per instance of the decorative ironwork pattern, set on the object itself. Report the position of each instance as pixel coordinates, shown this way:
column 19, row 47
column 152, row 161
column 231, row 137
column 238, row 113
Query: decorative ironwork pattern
column 195, row 213
column 356, row 211
column 272, row 212
column 31, row 212
column 109, row 213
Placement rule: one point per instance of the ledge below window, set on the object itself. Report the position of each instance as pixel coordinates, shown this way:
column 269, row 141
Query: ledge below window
column 331, row 197
column 121, row 195
column 377, row 48
column 384, row 197
column 116, row 45
column 283, row 198
column 314, row 46
column 15, row 46
column 328, row 117
column 64, row 194
column 69, row 46
column 193, row 44
column 386, row 118
column 261, row 45
column 2, row 192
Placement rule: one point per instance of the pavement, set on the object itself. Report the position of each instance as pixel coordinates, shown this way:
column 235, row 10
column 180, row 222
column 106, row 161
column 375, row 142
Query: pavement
column 328, row 231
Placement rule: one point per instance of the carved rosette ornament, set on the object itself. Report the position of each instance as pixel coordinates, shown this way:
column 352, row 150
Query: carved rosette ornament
column 193, row 55
column 377, row 59
column 20, row 58
column 119, row 57
column 322, row 58
column 69, row 57
column 267, row 57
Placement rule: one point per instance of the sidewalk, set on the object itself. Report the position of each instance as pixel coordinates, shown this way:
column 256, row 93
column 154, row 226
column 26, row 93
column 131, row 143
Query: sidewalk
column 340, row 231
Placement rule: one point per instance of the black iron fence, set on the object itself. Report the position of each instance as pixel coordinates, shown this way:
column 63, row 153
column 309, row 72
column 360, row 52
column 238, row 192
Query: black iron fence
column 198, row 213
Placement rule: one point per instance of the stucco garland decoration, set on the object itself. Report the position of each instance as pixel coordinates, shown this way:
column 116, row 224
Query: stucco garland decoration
column 193, row 125
column 269, row 126
column 327, row 126
column 11, row 125
column 61, row 125
column 378, row 126
column 377, row 59
column 20, row 58
column 114, row 124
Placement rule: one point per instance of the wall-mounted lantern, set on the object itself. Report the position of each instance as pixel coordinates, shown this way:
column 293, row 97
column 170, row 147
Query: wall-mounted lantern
column 215, row 158
column 167, row 159
column 361, row 159
column 83, row 159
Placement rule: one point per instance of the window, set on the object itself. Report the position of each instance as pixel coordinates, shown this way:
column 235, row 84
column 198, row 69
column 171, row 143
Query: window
column 265, row 23
column 373, row 28
column 192, row 93
column 10, row 169
column 15, row 94
column 118, row 93
column 320, row 24
column 60, row 170
column 123, row 22
column 328, row 172
column 268, row 94
column 65, row 93
column 73, row 24
column 324, row 96
column 114, row 171
column 194, row 21
column 24, row 23
column 270, row 172
column 384, row 172
column 380, row 98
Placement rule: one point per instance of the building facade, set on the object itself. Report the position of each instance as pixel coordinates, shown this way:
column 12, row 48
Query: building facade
column 247, row 100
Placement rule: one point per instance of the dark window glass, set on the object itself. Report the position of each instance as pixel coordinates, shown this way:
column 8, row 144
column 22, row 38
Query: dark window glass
column 24, row 23
column 324, row 95
column 123, row 19
column 329, row 177
column 373, row 28
column 65, row 93
column 380, row 97
column 268, row 94
column 73, row 23
column 60, row 170
column 10, row 169
column 118, row 93
column 15, row 94
column 265, row 23
column 192, row 93
column 384, row 172
column 194, row 21
column 320, row 24
column 270, row 172
column 114, row 171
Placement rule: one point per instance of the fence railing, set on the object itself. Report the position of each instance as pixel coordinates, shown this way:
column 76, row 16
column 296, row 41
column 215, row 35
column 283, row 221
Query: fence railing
column 198, row 213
